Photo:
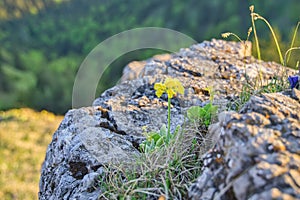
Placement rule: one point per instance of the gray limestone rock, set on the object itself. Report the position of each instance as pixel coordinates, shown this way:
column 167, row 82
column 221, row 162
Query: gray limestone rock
column 257, row 155
column 110, row 131
column 77, row 153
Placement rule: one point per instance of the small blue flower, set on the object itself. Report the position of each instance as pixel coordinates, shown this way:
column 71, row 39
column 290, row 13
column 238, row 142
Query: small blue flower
column 294, row 81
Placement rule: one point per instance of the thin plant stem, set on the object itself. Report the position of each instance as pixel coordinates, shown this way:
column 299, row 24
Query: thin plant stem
column 169, row 116
column 293, row 41
column 255, row 35
column 256, row 43
column 274, row 37
column 288, row 52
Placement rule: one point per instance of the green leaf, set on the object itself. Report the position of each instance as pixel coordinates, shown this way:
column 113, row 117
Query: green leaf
column 163, row 130
column 155, row 136
column 193, row 113
column 160, row 142
column 147, row 149
column 202, row 113
column 142, row 147
column 176, row 131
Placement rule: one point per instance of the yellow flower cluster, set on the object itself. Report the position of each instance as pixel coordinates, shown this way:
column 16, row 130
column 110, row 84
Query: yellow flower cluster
column 170, row 86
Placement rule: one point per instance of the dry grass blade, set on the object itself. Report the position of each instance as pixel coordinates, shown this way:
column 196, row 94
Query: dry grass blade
column 293, row 42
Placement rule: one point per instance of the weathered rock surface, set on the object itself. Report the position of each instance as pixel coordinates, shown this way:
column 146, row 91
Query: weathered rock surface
column 76, row 154
column 258, row 153
column 110, row 131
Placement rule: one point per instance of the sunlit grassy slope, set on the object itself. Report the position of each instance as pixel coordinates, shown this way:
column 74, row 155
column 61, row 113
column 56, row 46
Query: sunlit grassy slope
column 24, row 136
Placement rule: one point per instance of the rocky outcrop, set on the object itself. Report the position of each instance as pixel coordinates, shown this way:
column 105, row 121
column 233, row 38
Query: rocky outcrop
column 110, row 131
column 258, row 153
column 79, row 149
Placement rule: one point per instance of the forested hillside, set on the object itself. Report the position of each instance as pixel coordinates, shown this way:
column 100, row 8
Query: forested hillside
column 44, row 42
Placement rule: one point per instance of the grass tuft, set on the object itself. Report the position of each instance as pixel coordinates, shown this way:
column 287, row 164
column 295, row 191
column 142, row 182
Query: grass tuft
column 165, row 172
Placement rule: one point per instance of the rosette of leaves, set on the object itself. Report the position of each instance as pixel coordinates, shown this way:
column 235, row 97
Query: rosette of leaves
column 202, row 115
column 155, row 140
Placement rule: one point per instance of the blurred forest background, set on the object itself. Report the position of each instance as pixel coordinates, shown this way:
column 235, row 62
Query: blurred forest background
column 43, row 42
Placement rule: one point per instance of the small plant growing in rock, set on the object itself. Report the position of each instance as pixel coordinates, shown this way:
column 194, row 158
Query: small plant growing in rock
column 171, row 87
column 155, row 140
column 163, row 137
column 203, row 115
column 169, row 164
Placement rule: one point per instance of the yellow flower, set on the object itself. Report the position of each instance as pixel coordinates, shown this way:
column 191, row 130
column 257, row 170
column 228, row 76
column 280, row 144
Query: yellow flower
column 173, row 86
column 170, row 86
column 160, row 89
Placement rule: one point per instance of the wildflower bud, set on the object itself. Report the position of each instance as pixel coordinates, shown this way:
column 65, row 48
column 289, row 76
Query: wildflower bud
column 251, row 8
column 249, row 31
column 225, row 35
